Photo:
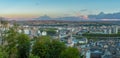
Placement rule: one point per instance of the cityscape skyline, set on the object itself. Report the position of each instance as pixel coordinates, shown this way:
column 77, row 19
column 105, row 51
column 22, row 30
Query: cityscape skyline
column 59, row 29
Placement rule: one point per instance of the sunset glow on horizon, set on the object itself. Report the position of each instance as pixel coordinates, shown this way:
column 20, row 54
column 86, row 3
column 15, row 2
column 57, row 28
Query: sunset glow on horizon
column 55, row 8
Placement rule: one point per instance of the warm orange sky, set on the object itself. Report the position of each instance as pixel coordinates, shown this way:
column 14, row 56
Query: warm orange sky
column 20, row 15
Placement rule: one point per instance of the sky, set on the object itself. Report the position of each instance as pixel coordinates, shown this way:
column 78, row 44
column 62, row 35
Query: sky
column 56, row 8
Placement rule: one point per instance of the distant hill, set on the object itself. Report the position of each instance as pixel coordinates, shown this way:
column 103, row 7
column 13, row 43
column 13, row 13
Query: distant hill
column 45, row 17
column 68, row 18
column 109, row 16
column 99, row 17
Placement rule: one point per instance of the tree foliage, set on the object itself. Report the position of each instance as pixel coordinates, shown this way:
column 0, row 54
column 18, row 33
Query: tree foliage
column 23, row 46
column 70, row 53
column 101, row 35
column 17, row 45
column 48, row 48
column 11, row 42
column 3, row 54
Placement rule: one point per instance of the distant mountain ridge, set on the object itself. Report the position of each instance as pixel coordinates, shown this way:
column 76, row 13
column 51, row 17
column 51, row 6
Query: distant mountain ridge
column 99, row 17
column 68, row 18
column 102, row 15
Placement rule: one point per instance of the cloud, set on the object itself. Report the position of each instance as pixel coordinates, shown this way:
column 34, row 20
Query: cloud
column 84, row 17
column 81, row 16
column 102, row 15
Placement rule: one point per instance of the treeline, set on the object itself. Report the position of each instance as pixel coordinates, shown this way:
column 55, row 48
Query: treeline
column 50, row 31
column 19, row 45
column 101, row 35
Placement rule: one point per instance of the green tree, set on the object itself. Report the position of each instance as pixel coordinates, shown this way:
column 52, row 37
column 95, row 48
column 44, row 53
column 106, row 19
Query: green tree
column 55, row 48
column 17, row 45
column 51, row 32
column 3, row 54
column 3, row 26
column 11, row 42
column 41, row 47
column 70, row 53
column 33, row 56
column 23, row 46
column 48, row 48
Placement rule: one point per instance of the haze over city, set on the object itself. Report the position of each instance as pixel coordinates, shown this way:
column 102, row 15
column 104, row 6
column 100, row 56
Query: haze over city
column 57, row 8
